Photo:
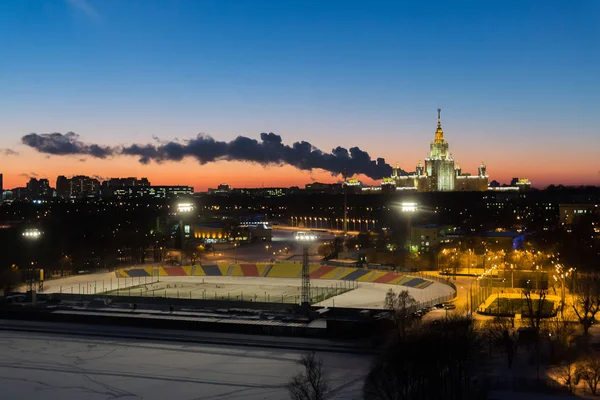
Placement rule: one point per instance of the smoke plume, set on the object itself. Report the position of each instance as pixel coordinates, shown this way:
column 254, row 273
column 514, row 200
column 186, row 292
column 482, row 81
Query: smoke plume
column 67, row 144
column 270, row 150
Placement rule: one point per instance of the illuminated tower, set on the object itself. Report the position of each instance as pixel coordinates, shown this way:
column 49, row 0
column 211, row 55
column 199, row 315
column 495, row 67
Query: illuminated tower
column 420, row 169
column 440, row 164
column 482, row 170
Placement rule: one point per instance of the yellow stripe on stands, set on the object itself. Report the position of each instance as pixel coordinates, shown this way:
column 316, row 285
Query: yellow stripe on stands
column 187, row 270
column 162, row 272
column 331, row 274
column 366, row 277
column 224, row 268
column 122, row 274
column 376, row 275
column 261, row 269
column 237, row 270
column 285, row 271
column 149, row 270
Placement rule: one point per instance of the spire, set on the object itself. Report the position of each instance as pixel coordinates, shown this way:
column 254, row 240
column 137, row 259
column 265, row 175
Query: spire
column 439, row 133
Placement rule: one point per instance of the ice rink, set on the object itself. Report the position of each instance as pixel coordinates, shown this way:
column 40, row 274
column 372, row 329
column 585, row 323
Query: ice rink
column 366, row 294
column 60, row 367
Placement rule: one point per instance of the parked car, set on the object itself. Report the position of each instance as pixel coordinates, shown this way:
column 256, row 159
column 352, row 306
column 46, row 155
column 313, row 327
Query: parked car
column 450, row 306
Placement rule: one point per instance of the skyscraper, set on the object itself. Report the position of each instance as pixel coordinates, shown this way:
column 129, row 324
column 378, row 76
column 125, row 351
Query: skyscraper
column 439, row 174
column 440, row 163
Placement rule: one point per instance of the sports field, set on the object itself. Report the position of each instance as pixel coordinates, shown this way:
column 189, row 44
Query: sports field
column 325, row 292
column 229, row 288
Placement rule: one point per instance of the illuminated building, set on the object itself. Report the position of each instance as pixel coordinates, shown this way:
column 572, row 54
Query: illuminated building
column 571, row 213
column 439, row 173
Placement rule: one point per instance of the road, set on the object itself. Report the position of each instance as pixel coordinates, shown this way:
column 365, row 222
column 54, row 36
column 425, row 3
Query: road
column 47, row 366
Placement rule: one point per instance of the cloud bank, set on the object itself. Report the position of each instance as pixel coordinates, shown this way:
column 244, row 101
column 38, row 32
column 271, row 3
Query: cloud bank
column 269, row 150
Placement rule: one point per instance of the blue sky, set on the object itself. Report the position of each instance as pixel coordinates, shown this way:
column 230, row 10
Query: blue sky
column 518, row 81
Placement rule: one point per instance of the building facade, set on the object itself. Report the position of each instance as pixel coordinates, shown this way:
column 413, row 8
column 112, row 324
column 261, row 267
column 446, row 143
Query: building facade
column 439, row 173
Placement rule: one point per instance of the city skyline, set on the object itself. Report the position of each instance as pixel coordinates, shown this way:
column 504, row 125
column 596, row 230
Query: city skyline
column 517, row 85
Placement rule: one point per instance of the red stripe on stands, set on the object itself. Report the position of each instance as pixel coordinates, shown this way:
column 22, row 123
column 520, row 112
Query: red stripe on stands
column 249, row 269
column 175, row 271
column 321, row 271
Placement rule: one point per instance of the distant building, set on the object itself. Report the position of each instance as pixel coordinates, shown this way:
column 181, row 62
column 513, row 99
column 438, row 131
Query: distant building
column 161, row 192
column 424, row 238
column 79, row 186
column 1, row 185
column 221, row 189
column 328, row 188
column 122, row 186
column 39, row 188
column 571, row 213
column 439, row 173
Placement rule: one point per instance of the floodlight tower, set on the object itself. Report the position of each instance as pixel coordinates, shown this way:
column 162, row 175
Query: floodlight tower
column 409, row 209
column 32, row 235
column 306, row 239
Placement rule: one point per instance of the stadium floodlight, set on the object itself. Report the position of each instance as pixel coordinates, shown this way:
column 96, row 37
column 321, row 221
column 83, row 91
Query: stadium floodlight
column 409, row 207
column 32, row 233
column 306, row 238
column 185, row 207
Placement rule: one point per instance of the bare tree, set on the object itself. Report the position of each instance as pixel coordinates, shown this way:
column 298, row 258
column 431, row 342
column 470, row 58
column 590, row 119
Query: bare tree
column 499, row 331
column 586, row 303
column 589, row 372
column 566, row 373
column 535, row 310
column 402, row 307
column 310, row 384
column 438, row 361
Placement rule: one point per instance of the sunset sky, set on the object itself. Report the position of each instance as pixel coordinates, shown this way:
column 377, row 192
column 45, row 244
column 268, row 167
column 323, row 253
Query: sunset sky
column 518, row 83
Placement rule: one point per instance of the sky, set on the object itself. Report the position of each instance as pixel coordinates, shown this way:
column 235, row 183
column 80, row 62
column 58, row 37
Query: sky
column 517, row 82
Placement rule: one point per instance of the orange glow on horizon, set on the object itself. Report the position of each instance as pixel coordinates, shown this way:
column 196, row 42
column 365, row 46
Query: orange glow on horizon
column 241, row 174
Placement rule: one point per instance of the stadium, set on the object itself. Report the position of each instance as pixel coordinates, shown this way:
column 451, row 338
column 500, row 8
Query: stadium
column 331, row 286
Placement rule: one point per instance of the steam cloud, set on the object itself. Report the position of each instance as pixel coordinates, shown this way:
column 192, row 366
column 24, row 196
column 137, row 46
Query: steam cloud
column 268, row 151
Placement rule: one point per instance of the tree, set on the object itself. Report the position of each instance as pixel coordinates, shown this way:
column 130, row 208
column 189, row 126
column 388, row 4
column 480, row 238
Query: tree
column 566, row 373
column 436, row 362
column 499, row 332
column 535, row 310
column 310, row 384
column 586, row 303
column 589, row 372
column 402, row 307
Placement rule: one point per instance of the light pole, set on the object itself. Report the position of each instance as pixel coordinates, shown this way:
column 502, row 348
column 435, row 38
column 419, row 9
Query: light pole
column 409, row 209
column 183, row 209
column 306, row 239
column 33, row 235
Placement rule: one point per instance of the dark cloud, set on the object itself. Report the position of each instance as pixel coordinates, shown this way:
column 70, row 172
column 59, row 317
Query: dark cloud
column 269, row 150
column 29, row 175
column 9, row 152
column 67, row 144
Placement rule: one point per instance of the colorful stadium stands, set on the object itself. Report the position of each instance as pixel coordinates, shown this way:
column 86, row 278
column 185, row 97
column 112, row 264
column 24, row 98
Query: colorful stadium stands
column 281, row 270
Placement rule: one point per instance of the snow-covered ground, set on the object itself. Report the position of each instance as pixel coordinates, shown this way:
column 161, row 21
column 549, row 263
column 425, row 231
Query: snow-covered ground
column 54, row 366
column 367, row 295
